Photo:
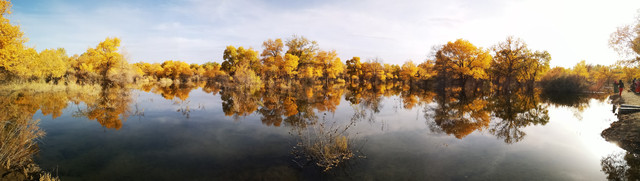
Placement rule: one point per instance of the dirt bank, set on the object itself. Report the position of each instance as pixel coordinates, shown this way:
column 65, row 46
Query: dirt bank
column 30, row 172
column 626, row 131
column 11, row 175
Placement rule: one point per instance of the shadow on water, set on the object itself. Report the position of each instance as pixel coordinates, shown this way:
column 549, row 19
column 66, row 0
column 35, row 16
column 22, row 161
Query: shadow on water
column 571, row 99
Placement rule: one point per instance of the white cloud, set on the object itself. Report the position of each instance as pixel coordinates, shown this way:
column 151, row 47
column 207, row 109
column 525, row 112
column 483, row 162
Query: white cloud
column 199, row 30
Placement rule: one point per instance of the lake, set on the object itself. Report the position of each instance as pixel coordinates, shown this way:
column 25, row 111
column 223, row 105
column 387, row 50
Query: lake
column 320, row 132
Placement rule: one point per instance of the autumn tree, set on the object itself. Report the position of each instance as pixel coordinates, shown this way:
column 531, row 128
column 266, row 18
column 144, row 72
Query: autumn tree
column 288, row 69
column 23, row 62
column 391, row 71
column 153, row 70
column 107, row 62
column 197, row 71
column 606, row 74
column 373, row 71
column 272, row 58
column 212, row 70
column 426, row 70
column 581, row 69
column 462, row 60
column 240, row 57
column 626, row 41
column 354, row 69
column 106, row 55
column 329, row 64
column 23, row 67
column 305, row 50
column 535, row 66
column 408, row 71
column 11, row 41
column 302, row 47
column 52, row 63
column 513, row 63
column 176, row 70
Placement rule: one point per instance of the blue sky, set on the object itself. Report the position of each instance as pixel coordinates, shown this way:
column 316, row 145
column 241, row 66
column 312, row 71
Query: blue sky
column 394, row 31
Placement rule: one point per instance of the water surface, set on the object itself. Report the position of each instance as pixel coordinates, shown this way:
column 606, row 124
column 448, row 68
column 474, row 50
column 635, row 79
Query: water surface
column 392, row 133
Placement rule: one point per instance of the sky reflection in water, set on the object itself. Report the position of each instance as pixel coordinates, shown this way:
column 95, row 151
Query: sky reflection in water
column 166, row 142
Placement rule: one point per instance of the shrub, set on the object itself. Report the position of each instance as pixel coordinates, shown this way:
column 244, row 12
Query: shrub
column 564, row 84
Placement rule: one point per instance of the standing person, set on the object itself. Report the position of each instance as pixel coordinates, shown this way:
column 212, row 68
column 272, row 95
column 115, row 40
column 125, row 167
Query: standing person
column 620, row 87
column 636, row 89
column 633, row 85
column 615, row 86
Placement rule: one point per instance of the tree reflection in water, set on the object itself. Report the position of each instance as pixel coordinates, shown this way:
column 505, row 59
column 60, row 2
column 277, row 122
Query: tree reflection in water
column 503, row 114
column 110, row 108
column 621, row 166
column 456, row 114
column 19, row 132
column 576, row 102
column 324, row 141
column 516, row 110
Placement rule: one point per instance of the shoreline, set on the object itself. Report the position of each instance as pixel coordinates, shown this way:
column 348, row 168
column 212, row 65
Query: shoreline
column 625, row 132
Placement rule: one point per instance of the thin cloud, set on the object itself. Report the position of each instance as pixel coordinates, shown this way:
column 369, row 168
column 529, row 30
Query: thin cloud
column 199, row 30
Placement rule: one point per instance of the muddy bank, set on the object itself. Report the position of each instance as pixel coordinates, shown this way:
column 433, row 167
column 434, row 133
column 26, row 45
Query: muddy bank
column 28, row 172
column 626, row 131
column 11, row 175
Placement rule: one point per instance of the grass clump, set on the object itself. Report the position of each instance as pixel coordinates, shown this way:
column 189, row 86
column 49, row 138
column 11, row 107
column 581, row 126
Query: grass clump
column 325, row 147
column 17, row 142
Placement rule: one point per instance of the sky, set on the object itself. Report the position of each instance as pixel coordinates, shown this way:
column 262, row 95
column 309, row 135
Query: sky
column 197, row 31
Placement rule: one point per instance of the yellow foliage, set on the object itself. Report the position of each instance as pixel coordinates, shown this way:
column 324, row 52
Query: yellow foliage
column 175, row 70
column 11, row 42
column 289, row 66
column 409, row 71
column 463, row 59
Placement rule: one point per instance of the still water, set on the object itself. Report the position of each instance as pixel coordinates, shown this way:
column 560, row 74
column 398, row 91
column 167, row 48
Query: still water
column 204, row 133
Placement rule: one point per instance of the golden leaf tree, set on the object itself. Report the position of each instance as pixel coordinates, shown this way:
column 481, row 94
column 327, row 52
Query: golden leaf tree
column 354, row 69
column 514, row 62
column 11, row 43
column 408, row 71
column 462, row 60
column 240, row 57
column 626, row 41
column 288, row 69
column 305, row 50
column 106, row 61
column 329, row 64
column 271, row 58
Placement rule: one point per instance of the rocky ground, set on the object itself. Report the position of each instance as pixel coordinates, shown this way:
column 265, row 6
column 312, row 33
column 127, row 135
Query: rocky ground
column 625, row 131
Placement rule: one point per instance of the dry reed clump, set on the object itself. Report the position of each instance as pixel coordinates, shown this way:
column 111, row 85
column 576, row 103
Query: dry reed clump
column 327, row 148
column 17, row 147
column 329, row 153
column 17, row 142
column 48, row 177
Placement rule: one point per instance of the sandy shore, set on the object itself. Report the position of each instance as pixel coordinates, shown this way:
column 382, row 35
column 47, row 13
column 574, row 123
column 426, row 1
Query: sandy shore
column 626, row 131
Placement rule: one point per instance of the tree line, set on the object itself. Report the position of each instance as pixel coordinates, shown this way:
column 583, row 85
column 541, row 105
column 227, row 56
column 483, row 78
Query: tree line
column 507, row 64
